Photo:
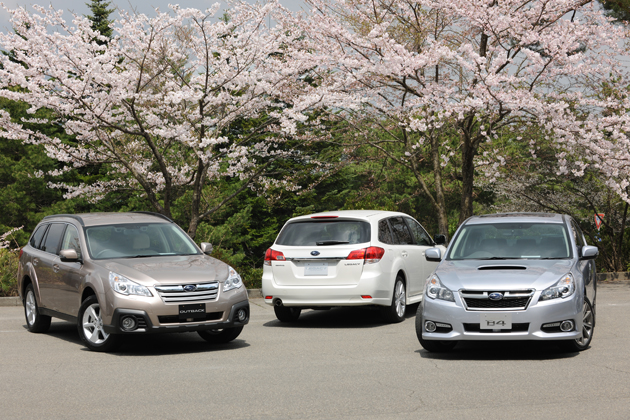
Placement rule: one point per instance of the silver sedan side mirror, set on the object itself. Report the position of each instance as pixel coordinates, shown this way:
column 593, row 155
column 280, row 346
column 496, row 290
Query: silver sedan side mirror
column 589, row 252
column 68, row 255
column 206, row 248
column 433, row 254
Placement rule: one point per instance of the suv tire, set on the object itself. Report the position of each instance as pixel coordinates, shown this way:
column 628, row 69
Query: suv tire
column 90, row 326
column 35, row 322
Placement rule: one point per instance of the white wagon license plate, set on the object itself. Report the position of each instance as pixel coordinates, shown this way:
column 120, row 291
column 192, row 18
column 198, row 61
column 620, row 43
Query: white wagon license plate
column 316, row 269
column 496, row 321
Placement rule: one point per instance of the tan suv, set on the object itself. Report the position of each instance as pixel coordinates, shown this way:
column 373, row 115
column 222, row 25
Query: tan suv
column 116, row 274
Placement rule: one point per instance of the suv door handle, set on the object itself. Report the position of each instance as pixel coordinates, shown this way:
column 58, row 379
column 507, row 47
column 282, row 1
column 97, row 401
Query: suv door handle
column 56, row 268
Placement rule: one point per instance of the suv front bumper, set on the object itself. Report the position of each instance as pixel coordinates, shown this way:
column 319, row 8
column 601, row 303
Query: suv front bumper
column 145, row 326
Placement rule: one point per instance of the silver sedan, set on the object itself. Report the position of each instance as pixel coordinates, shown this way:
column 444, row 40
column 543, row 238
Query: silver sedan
column 511, row 276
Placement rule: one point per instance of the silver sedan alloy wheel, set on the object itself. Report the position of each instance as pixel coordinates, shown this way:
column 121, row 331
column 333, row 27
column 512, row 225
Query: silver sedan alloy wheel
column 587, row 325
column 31, row 308
column 93, row 325
column 399, row 298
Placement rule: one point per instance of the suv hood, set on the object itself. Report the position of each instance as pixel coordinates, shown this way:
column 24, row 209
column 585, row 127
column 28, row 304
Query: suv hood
column 501, row 275
column 180, row 269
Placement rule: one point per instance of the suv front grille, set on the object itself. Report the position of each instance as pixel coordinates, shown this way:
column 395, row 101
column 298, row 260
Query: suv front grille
column 177, row 294
column 512, row 300
column 174, row 319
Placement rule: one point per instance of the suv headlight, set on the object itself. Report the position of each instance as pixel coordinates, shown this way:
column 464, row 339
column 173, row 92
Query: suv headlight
column 233, row 281
column 124, row 286
column 563, row 288
column 435, row 290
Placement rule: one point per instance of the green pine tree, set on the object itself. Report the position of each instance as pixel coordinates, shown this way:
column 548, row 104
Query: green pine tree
column 619, row 9
column 100, row 17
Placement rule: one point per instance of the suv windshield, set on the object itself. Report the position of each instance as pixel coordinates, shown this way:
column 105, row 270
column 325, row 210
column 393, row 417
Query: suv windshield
column 511, row 241
column 137, row 240
column 337, row 232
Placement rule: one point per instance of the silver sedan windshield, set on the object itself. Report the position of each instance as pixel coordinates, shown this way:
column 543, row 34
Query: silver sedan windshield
column 511, row 241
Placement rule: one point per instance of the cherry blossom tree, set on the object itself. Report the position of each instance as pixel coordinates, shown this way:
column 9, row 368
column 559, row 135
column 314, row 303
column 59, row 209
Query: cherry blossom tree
column 456, row 75
column 170, row 105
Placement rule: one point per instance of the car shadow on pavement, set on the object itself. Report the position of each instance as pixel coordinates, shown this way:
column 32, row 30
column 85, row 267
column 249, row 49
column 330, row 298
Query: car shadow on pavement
column 340, row 317
column 148, row 345
column 501, row 350
column 169, row 344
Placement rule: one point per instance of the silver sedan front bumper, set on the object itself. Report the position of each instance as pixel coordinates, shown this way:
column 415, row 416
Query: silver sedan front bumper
column 455, row 323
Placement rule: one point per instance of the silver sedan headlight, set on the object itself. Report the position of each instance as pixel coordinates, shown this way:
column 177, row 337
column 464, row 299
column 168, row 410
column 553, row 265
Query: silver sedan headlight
column 233, row 281
column 562, row 289
column 435, row 290
column 124, row 286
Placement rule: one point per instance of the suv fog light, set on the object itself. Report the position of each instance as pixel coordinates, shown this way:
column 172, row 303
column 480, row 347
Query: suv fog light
column 430, row 326
column 566, row 326
column 241, row 315
column 128, row 323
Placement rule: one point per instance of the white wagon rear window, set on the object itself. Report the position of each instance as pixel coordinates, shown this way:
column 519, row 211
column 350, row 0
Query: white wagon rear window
column 321, row 233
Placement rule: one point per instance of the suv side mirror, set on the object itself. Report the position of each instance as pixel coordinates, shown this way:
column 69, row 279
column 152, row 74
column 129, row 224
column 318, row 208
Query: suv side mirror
column 206, row 248
column 589, row 252
column 69, row 255
column 433, row 254
column 439, row 239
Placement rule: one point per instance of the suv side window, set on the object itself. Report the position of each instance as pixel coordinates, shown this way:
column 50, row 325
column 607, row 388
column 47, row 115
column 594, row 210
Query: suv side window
column 37, row 236
column 421, row 237
column 53, row 238
column 401, row 232
column 71, row 240
column 384, row 234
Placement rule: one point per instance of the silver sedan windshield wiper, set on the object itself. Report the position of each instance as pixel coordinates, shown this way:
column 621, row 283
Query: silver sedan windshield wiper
column 499, row 258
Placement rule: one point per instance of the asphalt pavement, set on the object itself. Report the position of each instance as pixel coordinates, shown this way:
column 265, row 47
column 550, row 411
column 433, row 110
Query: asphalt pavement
column 336, row 364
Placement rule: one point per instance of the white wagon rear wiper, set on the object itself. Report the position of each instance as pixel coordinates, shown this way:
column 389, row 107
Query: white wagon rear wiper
column 332, row 242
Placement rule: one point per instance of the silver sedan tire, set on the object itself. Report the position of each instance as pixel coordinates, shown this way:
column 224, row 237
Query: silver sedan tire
column 588, row 327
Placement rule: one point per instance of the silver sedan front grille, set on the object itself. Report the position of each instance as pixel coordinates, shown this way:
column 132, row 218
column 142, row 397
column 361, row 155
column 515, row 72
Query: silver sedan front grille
column 511, row 300
column 180, row 294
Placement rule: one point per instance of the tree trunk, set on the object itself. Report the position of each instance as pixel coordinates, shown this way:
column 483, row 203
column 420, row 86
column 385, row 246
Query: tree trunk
column 468, row 178
column 439, row 188
column 195, row 205
column 620, row 266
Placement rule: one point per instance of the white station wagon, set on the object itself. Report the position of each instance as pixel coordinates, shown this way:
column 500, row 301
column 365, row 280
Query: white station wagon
column 348, row 258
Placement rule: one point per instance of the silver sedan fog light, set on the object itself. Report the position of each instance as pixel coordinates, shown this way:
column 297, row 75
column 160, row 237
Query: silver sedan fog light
column 566, row 326
column 430, row 326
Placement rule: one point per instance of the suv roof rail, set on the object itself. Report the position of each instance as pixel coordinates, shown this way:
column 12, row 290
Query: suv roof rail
column 72, row 216
column 154, row 214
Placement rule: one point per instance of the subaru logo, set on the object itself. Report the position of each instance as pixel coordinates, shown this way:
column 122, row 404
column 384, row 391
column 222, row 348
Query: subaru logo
column 190, row 288
column 495, row 296
column 314, row 253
